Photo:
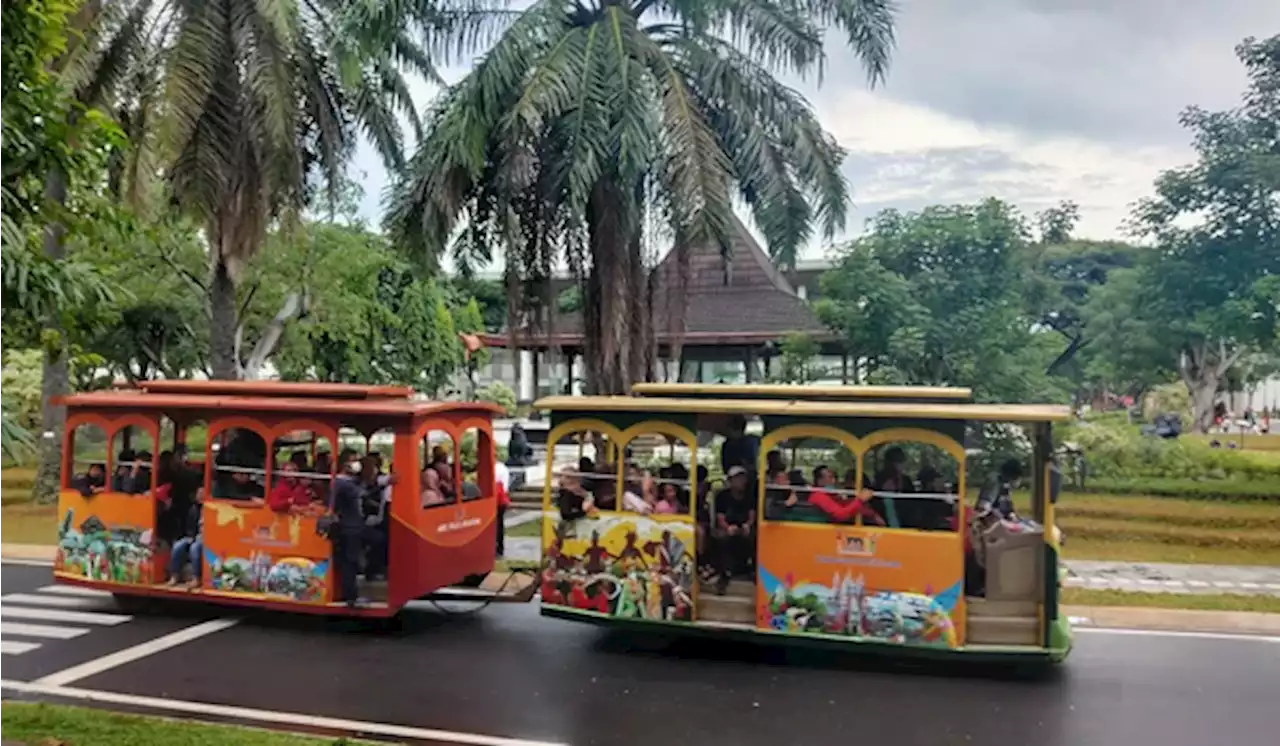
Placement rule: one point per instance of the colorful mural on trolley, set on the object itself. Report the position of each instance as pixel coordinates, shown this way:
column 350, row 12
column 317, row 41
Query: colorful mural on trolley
column 96, row 551
column 848, row 607
column 296, row 578
column 620, row 565
column 106, row 537
column 898, row 586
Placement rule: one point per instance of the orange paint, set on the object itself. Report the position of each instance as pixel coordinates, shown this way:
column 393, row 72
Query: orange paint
column 251, row 549
column 884, row 584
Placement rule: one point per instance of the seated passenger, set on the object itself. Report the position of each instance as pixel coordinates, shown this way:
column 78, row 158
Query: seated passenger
column 431, row 494
column 838, row 507
column 445, row 472
column 734, row 529
column 604, row 488
column 774, row 465
column 637, row 491
column 572, row 498
column 324, row 463
column 668, row 500
column 289, row 492
column 893, row 477
column 299, row 460
column 93, row 481
column 241, row 487
column 931, row 513
column 122, row 479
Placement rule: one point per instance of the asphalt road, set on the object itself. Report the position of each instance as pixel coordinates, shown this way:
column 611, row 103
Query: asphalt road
column 509, row 672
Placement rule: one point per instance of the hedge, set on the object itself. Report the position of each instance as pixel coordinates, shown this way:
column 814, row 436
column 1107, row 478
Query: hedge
column 1204, row 489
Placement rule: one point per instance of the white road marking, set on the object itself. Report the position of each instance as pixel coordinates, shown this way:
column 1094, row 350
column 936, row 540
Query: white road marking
column 1175, row 583
column 37, row 599
column 27, row 562
column 137, row 652
column 75, row 590
column 1177, row 633
column 1273, row 586
column 1197, row 584
column 250, row 716
column 59, row 615
column 13, row 647
column 1074, row 620
column 47, row 631
column 1223, row 584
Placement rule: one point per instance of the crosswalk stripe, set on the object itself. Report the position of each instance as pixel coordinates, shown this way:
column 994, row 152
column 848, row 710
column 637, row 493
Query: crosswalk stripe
column 59, row 615
column 49, row 631
column 13, row 647
column 37, row 599
column 75, row 590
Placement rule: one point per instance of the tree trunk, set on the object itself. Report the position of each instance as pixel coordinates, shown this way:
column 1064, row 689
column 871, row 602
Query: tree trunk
column 1204, row 393
column 607, row 302
column 55, row 375
column 223, row 321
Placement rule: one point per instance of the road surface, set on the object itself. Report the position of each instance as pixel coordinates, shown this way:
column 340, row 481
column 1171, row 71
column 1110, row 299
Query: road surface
column 507, row 672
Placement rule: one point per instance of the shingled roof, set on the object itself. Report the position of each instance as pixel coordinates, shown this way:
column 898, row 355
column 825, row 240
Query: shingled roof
column 743, row 299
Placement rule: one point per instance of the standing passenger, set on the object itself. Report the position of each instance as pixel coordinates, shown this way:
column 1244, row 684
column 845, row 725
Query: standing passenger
column 344, row 501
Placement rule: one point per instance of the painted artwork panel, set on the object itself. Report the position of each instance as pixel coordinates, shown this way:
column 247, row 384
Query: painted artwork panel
column 621, row 565
column 106, row 537
column 902, row 587
column 252, row 550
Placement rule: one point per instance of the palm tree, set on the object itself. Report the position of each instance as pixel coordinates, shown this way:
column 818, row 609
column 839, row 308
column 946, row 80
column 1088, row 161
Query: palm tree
column 245, row 107
column 589, row 117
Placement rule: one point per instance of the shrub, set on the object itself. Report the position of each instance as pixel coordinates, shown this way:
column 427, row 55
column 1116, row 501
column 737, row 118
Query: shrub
column 1121, row 452
column 499, row 393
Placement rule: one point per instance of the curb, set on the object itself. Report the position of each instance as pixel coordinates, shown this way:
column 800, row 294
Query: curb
column 1175, row 620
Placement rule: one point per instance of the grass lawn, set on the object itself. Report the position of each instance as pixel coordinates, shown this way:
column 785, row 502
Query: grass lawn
column 28, row 523
column 1252, row 443
column 39, row 724
column 526, row 530
column 1198, row 602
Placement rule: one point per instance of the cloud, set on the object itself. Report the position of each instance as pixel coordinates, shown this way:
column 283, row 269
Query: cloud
column 1032, row 101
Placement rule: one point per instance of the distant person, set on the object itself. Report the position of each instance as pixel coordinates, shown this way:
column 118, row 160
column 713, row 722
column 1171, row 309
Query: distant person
column 519, row 452
column 501, row 492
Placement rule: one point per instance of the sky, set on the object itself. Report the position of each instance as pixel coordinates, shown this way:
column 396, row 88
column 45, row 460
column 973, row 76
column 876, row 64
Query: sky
column 1031, row 101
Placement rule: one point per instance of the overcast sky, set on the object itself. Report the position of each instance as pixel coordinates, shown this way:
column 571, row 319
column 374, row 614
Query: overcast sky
column 1032, row 101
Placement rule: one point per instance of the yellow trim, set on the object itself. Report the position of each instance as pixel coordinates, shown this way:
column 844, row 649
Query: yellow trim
column 915, row 435
column 810, row 409
column 804, row 392
column 580, row 425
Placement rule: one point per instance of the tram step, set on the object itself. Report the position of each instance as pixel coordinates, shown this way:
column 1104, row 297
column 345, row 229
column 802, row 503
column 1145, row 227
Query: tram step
column 739, row 588
column 733, row 609
column 373, row 590
column 1003, row 630
column 984, row 607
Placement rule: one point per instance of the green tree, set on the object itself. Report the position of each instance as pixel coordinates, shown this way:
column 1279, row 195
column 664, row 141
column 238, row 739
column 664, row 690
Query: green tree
column 54, row 149
column 1211, row 293
column 936, row 298
column 586, row 120
column 247, row 107
column 797, row 356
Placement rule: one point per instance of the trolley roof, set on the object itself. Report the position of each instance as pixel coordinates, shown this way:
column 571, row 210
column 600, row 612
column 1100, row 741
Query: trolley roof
column 810, row 409
column 791, row 391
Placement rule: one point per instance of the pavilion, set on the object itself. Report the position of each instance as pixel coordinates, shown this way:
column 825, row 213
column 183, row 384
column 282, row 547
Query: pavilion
column 739, row 309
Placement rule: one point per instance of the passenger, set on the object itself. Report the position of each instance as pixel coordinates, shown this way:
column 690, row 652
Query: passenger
column 997, row 495
column 373, row 504
column 348, row 544
column 839, row 508
column 604, row 488
column 739, row 449
column 572, row 498
column 289, row 493
column 324, row 463
column 893, row 477
column 189, row 548
column 299, row 460
column 185, row 484
column 774, row 465
column 92, row 482
column 734, row 528
column 241, row 486
column 126, row 466
column 140, row 474
column 446, row 480
column 850, row 481
column 431, row 494
column 668, row 500
column 637, row 491
column 680, row 473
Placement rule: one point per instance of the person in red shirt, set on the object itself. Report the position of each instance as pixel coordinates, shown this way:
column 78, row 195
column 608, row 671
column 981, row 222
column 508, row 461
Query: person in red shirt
column 839, row 508
column 289, row 492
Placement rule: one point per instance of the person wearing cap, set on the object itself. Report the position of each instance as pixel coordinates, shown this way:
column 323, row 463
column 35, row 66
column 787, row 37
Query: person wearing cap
column 734, row 529
column 997, row 495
